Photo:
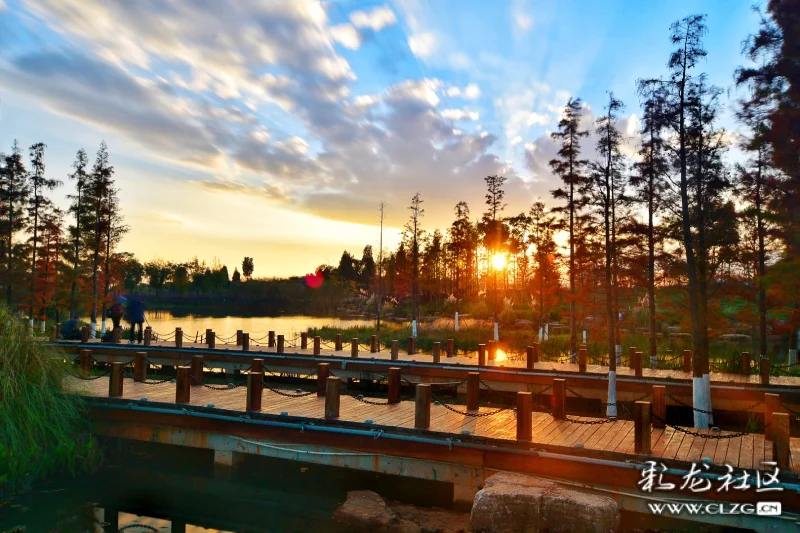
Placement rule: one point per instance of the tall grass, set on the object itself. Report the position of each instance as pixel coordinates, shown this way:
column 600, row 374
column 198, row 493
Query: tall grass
column 43, row 429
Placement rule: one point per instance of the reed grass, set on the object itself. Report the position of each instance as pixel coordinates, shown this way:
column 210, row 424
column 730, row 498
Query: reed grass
column 43, row 429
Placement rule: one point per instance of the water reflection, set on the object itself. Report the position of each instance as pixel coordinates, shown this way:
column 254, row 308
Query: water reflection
column 226, row 326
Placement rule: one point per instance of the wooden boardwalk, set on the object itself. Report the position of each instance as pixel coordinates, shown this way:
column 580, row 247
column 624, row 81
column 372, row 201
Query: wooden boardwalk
column 717, row 378
column 612, row 439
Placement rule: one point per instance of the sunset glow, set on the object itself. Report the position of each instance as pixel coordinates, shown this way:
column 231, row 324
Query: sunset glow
column 499, row 261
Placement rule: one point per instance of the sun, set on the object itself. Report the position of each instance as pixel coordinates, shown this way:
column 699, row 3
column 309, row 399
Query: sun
column 498, row 261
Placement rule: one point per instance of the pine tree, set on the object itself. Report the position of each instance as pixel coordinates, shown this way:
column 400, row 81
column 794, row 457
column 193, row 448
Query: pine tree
column 545, row 276
column 78, row 208
column 13, row 197
column 38, row 184
column 414, row 233
column 607, row 178
column 570, row 168
column 98, row 194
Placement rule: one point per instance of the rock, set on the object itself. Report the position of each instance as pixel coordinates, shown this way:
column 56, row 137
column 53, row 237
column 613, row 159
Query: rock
column 366, row 511
column 516, row 502
column 431, row 519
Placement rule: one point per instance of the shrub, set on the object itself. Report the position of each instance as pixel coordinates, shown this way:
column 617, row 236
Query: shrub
column 43, row 429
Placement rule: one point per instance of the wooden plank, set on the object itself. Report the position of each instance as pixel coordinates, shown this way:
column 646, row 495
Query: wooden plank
column 746, row 452
column 758, row 452
column 674, row 445
column 660, row 446
column 686, row 447
column 606, row 438
column 626, row 439
column 592, row 441
column 732, row 457
column 721, row 451
column 699, row 443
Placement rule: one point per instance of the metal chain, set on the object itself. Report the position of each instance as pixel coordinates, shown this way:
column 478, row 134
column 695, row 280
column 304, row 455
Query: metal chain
column 792, row 411
column 590, row 422
column 229, row 386
column 92, row 378
column 753, row 406
column 142, row 526
column 674, row 399
column 362, row 399
column 444, row 404
column 702, row 435
column 288, row 394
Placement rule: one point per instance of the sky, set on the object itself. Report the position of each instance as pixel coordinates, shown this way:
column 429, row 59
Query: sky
column 274, row 129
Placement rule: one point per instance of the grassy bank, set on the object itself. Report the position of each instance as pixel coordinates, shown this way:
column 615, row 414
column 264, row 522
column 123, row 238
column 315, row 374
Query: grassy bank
column 43, row 430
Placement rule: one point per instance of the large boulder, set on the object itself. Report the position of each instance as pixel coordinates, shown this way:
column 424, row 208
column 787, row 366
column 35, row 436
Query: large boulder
column 519, row 503
column 366, row 511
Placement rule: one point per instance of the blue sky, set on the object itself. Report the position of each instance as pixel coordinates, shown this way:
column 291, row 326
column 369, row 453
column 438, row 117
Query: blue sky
column 274, row 129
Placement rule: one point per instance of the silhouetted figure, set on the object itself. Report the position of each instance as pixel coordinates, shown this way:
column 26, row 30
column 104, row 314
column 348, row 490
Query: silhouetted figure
column 135, row 312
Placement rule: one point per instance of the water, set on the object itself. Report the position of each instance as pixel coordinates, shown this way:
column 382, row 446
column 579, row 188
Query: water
column 150, row 487
column 165, row 322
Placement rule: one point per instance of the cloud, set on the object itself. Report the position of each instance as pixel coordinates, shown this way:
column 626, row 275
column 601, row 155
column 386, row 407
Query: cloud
column 376, row 20
column 267, row 190
column 346, row 35
column 422, row 44
column 460, row 114
column 472, row 92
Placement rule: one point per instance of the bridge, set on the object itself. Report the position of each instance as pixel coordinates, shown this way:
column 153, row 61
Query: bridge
column 418, row 431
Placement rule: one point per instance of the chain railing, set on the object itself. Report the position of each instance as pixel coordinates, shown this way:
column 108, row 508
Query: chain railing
column 684, row 404
column 717, row 435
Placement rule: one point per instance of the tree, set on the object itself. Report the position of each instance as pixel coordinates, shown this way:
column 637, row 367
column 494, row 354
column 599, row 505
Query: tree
column 98, row 191
column 114, row 230
column 133, row 274
column 461, row 235
column 37, row 203
column 13, row 196
column 236, row 277
column 545, row 274
column 367, row 268
column 569, row 167
column 774, row 106
column 414, row 233
column 158, row 272
column 247, row 267
column 648, row 180
column 348, row 267
column 180, row 278
column 50, row 260
column 78, row 209
column 607, row 178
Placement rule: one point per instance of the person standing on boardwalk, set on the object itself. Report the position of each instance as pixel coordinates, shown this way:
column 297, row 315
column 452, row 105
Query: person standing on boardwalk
column 135, row 314
column 116, row 311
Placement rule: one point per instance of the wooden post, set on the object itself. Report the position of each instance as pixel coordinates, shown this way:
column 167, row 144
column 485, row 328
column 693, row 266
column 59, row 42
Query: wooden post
column 780, row 439
column 481, row 355
column 53, row 333
column 422, row 406
column 473, row 390
column 763, row 366
column 211, row 339
column 772, row 405
column 582, row 359
column 559, row 398
column 85, row 358
column 270, row 339
column 394, row 385
column 745, row 363
column 450, row 347
column 245, row 342
column 530, row 359
column 178, row 338
column 687, row 361
column 338, row 342
column 239, row 337
column 304, row 340
column 353, row 347
column 410, row 346
column 524, row 420
column 281, row 345
column 323, row 371
column 257, row 365
column 373, row 344
column 85, row 334
column 492, row 349
column 317, row 345
column 197, row 370
column 332, row 386
column 183, row 384
column 641, row 427
column 638, row 364
column 631, row 357
column 116, row 335
column 436, row 351
column 395, row 349
column 115, row 383
column 255, row 388
column 659, row 405
column 148, row 336
column 140, row 366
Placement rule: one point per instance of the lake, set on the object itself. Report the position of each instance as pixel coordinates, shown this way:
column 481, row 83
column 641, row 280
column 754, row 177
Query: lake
column 164, row 322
